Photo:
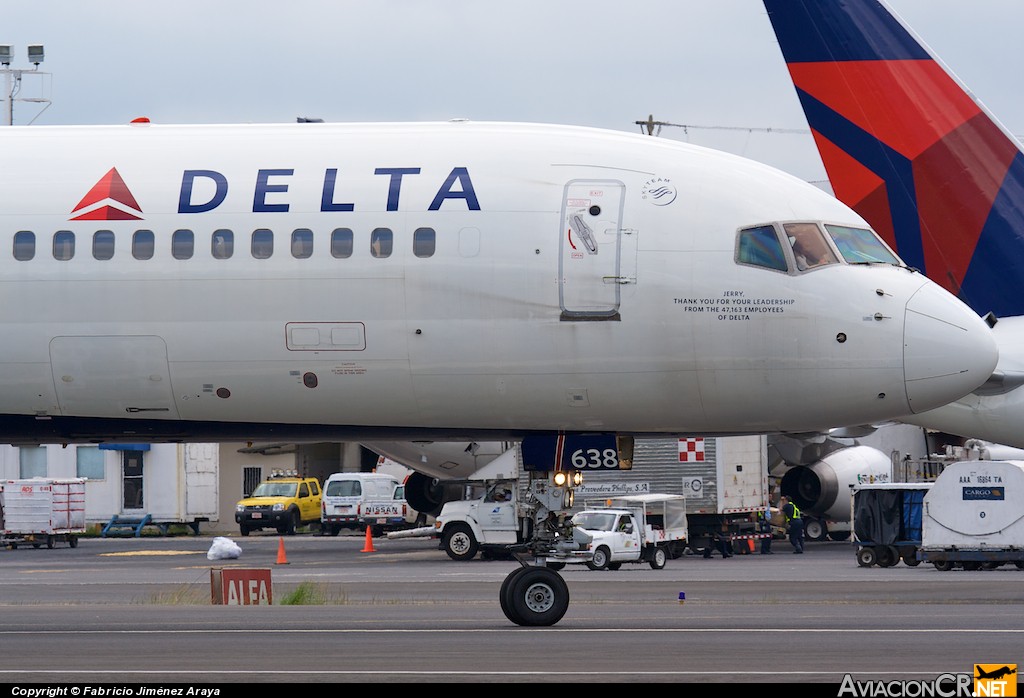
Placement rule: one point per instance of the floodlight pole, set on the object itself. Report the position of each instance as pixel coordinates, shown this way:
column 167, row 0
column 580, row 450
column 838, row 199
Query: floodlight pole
column 12, row 84
column 8, row 97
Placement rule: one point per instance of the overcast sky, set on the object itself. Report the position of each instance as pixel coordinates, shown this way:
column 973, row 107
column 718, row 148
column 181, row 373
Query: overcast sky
column 588, row 62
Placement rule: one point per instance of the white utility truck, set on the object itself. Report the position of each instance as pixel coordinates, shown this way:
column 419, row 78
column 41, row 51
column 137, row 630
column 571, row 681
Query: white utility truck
column 489, row 524
column 637, row 528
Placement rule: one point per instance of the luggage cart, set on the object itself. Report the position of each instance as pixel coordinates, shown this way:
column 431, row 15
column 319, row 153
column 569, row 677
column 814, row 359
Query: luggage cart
column 887, row 522
column 42, row 511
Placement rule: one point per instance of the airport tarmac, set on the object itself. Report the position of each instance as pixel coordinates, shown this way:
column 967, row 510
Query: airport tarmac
column 138, row 610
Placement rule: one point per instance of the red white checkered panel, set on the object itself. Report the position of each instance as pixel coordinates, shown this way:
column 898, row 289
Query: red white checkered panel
column 691, row 450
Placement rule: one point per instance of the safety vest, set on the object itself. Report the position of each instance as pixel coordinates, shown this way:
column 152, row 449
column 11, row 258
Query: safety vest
column 796, row 512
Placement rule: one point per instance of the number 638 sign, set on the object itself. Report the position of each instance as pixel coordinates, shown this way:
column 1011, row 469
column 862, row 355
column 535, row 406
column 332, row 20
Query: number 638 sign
column 577, row 452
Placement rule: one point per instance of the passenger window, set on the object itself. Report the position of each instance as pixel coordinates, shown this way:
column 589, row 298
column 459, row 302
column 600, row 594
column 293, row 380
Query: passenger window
column 262, row 243
column 24, row 245
column 103, row 244
column 302, row 243
column 341, row 243
column 423, row 242
column 142, row 244
column 861, row 246
column 760, row 247
column 222, row 244
column 63, row 245
column 809, row 247
column 381, row 241
column 183, row 244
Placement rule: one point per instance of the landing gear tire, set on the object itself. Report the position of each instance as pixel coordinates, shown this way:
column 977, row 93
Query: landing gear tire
column 815, row 530
column 887, row 555
column 866, row 557
column 555, row 565
column 534, row 596
column 838, row 535
column 658, row 558
column 600, row 559
column 459, row 543
column 503, row 594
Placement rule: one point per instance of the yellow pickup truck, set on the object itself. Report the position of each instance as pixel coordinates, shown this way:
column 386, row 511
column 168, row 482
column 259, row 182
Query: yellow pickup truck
column 282, row 502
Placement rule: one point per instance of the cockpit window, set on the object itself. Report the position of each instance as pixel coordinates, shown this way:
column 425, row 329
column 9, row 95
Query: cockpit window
column 761, row 247
column 861, row 246
column 809, row 247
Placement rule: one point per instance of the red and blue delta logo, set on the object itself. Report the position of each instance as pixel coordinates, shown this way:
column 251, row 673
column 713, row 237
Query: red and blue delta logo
column 108, row 200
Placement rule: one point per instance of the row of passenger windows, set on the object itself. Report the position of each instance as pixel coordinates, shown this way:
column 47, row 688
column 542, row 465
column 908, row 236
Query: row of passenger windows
column 222, row 244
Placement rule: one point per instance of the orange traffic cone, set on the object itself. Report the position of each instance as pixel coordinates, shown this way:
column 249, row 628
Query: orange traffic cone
column 368, row 547
column 750, row 542
column 282, row 559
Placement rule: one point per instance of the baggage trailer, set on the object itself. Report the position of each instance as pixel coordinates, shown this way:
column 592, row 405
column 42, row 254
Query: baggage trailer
column 887, row 522
column 974, row 516
column 42, row 511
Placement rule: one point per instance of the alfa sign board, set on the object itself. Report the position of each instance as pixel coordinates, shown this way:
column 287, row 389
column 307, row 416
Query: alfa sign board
column 241, row 587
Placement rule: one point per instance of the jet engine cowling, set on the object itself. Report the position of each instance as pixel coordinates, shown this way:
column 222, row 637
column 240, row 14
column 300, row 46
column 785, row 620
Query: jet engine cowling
column 822, row 489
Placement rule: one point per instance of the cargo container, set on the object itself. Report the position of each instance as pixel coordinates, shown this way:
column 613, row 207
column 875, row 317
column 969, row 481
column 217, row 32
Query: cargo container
column 42, row 511
column 974, row 516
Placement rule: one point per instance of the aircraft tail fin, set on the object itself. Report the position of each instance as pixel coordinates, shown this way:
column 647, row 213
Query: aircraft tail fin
column 908, row 147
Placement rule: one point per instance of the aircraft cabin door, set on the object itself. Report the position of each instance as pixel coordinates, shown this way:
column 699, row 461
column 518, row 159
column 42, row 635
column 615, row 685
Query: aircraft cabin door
column 590, row 252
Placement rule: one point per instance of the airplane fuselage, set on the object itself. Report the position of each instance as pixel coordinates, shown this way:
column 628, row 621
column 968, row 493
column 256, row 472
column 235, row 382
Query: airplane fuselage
column 438, row 279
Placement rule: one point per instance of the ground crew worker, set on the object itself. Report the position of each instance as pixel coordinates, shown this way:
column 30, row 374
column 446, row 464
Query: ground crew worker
column 794, row 524
column 764, row 518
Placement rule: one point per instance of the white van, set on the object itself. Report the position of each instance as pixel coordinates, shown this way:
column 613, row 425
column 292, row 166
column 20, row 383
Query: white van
column 355, row 500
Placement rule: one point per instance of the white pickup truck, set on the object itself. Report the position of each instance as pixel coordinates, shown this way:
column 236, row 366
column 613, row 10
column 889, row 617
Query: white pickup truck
column 638, row 528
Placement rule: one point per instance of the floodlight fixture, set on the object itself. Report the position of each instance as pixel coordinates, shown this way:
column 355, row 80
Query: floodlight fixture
column 35, row 53
column 5, row 54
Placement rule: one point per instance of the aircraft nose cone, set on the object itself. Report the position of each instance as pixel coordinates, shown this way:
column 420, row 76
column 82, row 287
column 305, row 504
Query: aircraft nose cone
column 948, row 350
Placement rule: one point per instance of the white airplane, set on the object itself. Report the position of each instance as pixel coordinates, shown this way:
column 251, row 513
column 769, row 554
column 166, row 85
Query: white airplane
column 910, row 148
column 427, row 282
column 447, row 281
